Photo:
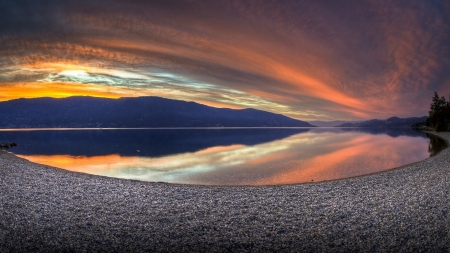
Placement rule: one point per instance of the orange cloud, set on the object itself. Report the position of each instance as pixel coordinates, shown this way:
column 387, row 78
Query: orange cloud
column 365, row 60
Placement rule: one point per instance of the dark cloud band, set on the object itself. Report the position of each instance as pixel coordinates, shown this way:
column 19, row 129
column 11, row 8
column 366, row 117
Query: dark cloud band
column 321, row 59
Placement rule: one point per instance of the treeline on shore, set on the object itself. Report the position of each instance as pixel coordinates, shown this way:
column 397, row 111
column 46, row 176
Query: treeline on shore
column 439, row 114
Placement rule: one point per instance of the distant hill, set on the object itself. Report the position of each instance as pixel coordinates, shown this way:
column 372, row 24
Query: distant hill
column 85, row 112
column 320, row 123
column 391, row 122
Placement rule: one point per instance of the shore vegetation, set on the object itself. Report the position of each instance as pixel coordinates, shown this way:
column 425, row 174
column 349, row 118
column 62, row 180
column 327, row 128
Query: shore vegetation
column 439, row 114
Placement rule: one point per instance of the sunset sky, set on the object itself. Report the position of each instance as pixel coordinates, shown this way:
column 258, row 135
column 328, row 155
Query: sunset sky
column 310, row 60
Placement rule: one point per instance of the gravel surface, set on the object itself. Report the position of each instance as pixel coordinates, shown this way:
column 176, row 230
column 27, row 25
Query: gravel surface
column 44, row 209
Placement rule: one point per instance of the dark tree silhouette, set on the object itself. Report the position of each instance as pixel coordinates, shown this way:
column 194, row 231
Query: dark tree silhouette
column 439, row 114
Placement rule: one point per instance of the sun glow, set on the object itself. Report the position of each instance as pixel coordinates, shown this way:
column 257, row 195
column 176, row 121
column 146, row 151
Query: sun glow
column 59, row 90
column 73, row 73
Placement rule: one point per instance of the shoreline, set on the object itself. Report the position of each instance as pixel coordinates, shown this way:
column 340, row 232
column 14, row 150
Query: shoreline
column 49, row 209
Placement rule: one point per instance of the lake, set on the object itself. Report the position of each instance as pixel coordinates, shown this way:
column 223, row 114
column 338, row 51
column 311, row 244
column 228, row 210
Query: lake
column 231, row 156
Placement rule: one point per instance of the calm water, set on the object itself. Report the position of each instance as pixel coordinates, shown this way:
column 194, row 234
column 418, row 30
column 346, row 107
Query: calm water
column 225, row 156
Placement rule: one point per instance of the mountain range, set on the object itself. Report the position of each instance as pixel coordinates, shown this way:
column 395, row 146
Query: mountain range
column 139, row 112
column 142, row 112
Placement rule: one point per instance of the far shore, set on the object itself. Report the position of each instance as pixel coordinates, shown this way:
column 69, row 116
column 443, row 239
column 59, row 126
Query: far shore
column 46, row 209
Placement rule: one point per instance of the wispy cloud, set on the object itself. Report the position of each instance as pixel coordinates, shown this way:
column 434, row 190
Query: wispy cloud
column 309, row 60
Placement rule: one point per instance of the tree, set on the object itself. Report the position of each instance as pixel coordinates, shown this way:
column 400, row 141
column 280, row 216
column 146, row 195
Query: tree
column 439, row 114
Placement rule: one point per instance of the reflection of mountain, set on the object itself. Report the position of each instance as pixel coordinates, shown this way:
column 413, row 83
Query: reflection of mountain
column 333, row 123
column 393, row 122
column 394, row 132
column 149, row 143
column 76, row 112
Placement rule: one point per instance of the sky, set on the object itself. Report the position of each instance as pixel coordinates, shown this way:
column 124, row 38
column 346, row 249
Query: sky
column 309, row 60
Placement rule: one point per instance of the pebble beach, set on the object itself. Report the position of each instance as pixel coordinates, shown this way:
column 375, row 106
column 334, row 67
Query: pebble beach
column 46, row 209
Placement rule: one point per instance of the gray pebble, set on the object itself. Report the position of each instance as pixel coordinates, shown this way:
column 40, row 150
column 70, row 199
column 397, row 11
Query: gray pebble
column 45, row 209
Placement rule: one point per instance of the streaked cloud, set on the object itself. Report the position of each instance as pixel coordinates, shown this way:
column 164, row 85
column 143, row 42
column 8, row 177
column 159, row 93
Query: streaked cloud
column 309, row 60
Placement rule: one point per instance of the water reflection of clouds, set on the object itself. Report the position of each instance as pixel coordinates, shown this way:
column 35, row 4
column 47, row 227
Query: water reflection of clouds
column 359, row 156
column 298, row 158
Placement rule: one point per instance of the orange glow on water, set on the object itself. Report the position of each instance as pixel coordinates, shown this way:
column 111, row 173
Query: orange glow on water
column 219, row 149
column 344, row 162
column 98, row 165
column 299, row 158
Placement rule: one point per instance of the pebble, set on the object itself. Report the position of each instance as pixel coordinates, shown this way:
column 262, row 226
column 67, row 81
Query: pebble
column 45, row 209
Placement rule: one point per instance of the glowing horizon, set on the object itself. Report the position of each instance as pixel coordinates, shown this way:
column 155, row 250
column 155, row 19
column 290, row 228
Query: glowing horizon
column 306, row 60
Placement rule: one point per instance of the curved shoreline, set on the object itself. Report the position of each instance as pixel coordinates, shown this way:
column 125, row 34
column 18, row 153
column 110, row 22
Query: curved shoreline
column 48, row 209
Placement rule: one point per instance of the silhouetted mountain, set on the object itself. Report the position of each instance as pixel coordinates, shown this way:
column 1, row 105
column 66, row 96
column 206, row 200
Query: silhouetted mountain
column 137, row 112
column 348, row 124
column 388, row 123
